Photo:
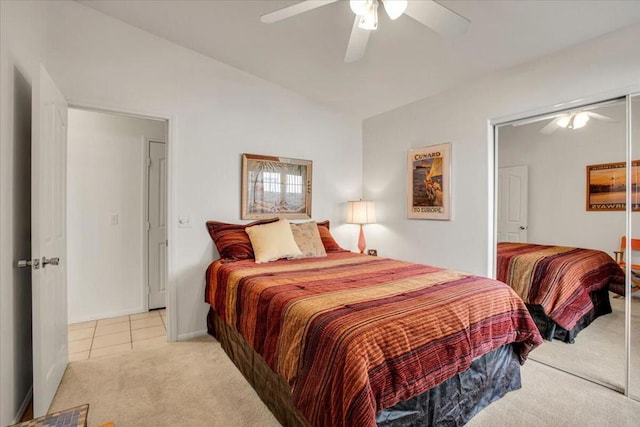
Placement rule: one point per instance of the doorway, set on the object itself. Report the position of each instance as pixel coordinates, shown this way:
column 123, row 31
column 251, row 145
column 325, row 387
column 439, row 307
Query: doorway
column 117, row 242
column 49, row 206
column 512, row 204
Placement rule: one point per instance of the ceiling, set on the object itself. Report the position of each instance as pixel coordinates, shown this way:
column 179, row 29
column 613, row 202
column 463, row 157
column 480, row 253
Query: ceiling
column 405, row 61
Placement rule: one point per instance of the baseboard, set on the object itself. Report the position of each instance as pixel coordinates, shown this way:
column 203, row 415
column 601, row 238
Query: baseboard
column 190, row 335
column 105, row 315
column 24, row 406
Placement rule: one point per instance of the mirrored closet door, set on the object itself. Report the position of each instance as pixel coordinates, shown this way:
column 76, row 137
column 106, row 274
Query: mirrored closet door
column 633, row 302
column 560, row 184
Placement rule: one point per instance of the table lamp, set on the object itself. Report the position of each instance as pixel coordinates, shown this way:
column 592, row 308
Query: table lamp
column 361, row 212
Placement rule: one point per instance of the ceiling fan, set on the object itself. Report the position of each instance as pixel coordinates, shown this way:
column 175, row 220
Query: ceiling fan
column 573, row 120
column 427, row 12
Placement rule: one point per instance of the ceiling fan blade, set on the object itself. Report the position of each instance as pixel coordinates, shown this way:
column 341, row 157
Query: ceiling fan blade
column 357, row 42
column 535, row 119
column 551, row 127
column 437, row 17
column 600, row 117
column 296, row 9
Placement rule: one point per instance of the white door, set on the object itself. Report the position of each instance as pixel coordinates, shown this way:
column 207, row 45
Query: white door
column 512, row 204
column 157, row 224
column 48, row 240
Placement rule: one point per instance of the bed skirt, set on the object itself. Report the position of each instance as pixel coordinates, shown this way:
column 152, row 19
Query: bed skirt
column 551, row 330
column 451, row 403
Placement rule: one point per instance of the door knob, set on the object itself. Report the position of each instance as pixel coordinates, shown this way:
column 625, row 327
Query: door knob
column 52, row 261
column 523, row 227
column 24, row 263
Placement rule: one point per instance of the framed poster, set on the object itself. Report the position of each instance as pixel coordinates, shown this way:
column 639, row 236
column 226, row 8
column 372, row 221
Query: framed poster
column 607, row 185
column 429, row 182
column 275, row 186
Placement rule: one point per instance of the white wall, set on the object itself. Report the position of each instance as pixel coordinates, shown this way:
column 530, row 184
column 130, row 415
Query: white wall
column 22, row 48
column 557, row 178
column 461, row 115
column 105, row 268
column 217, row 113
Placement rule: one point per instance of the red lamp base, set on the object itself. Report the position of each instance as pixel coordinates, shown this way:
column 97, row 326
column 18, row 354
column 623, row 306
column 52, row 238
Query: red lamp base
column 362, row 244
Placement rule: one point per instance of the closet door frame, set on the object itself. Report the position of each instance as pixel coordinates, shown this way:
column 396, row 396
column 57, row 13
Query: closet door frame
column 492, row 144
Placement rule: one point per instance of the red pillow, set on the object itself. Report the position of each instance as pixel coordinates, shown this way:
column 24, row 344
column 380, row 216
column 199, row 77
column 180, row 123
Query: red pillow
column 231, row 240
column 330, row 245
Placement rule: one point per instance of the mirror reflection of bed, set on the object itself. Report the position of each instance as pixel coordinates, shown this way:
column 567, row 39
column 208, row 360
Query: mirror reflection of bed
column 542, row 200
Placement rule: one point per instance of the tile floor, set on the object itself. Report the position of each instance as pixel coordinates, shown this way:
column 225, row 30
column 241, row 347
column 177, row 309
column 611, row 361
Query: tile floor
column 104, row 337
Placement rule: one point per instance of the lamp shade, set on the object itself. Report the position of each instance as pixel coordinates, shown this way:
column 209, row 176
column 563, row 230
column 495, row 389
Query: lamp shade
column 361, row 212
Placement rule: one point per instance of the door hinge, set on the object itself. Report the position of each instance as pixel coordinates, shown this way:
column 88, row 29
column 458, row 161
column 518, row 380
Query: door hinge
column 148, row 226
column 148, row 162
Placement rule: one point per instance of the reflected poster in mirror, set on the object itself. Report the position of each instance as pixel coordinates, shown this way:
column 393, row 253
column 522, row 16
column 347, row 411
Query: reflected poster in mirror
column 275, row 186
column 606, row 186
column 429, row 182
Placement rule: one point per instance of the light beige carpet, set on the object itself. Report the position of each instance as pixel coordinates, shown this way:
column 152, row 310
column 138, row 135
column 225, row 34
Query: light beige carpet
column 599, row 351
column 190, row 383
column 194, row 383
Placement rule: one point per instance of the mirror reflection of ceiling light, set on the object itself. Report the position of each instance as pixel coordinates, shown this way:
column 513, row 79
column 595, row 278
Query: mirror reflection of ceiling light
column 563, row 121
column 579, row 120
column 367, row 10
column 573, row 121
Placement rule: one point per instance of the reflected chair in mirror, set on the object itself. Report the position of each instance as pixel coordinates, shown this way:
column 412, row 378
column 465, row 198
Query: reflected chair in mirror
column 635, row 268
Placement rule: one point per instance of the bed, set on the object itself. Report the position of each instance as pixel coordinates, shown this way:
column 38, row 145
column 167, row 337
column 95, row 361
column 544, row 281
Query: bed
column 564, row 288
column 349, row 339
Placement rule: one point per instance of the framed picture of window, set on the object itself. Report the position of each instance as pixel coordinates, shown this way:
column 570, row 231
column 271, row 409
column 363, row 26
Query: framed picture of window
column 275, row 186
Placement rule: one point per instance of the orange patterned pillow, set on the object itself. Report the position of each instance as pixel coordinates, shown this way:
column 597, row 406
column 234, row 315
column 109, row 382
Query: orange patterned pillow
column 330, row 245
column 231, row 240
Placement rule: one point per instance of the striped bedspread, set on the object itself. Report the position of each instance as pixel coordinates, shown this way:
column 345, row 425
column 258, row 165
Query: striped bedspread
column 558, row 278
column 353, row 334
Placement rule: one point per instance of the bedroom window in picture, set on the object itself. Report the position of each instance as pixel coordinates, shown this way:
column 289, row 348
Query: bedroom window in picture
column 271, row 182
column 295, row 186
column 272, row 187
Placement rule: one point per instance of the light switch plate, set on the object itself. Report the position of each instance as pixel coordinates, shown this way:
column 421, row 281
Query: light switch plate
column 114, row 219
column 184, row 221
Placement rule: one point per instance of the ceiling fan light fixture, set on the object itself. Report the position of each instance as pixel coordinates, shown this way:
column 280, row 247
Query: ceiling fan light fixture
column 395, row 8
column 369, row 20
column 563, row 121
column 359, row 7
column 579, row 120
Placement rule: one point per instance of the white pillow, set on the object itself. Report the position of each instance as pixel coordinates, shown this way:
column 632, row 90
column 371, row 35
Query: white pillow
column 273, row 241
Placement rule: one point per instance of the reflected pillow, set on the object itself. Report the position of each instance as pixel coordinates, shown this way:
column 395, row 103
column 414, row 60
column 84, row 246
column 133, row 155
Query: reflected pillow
column 330, row 245
column 273, row 241
column 308, row 239
column 231, row 240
